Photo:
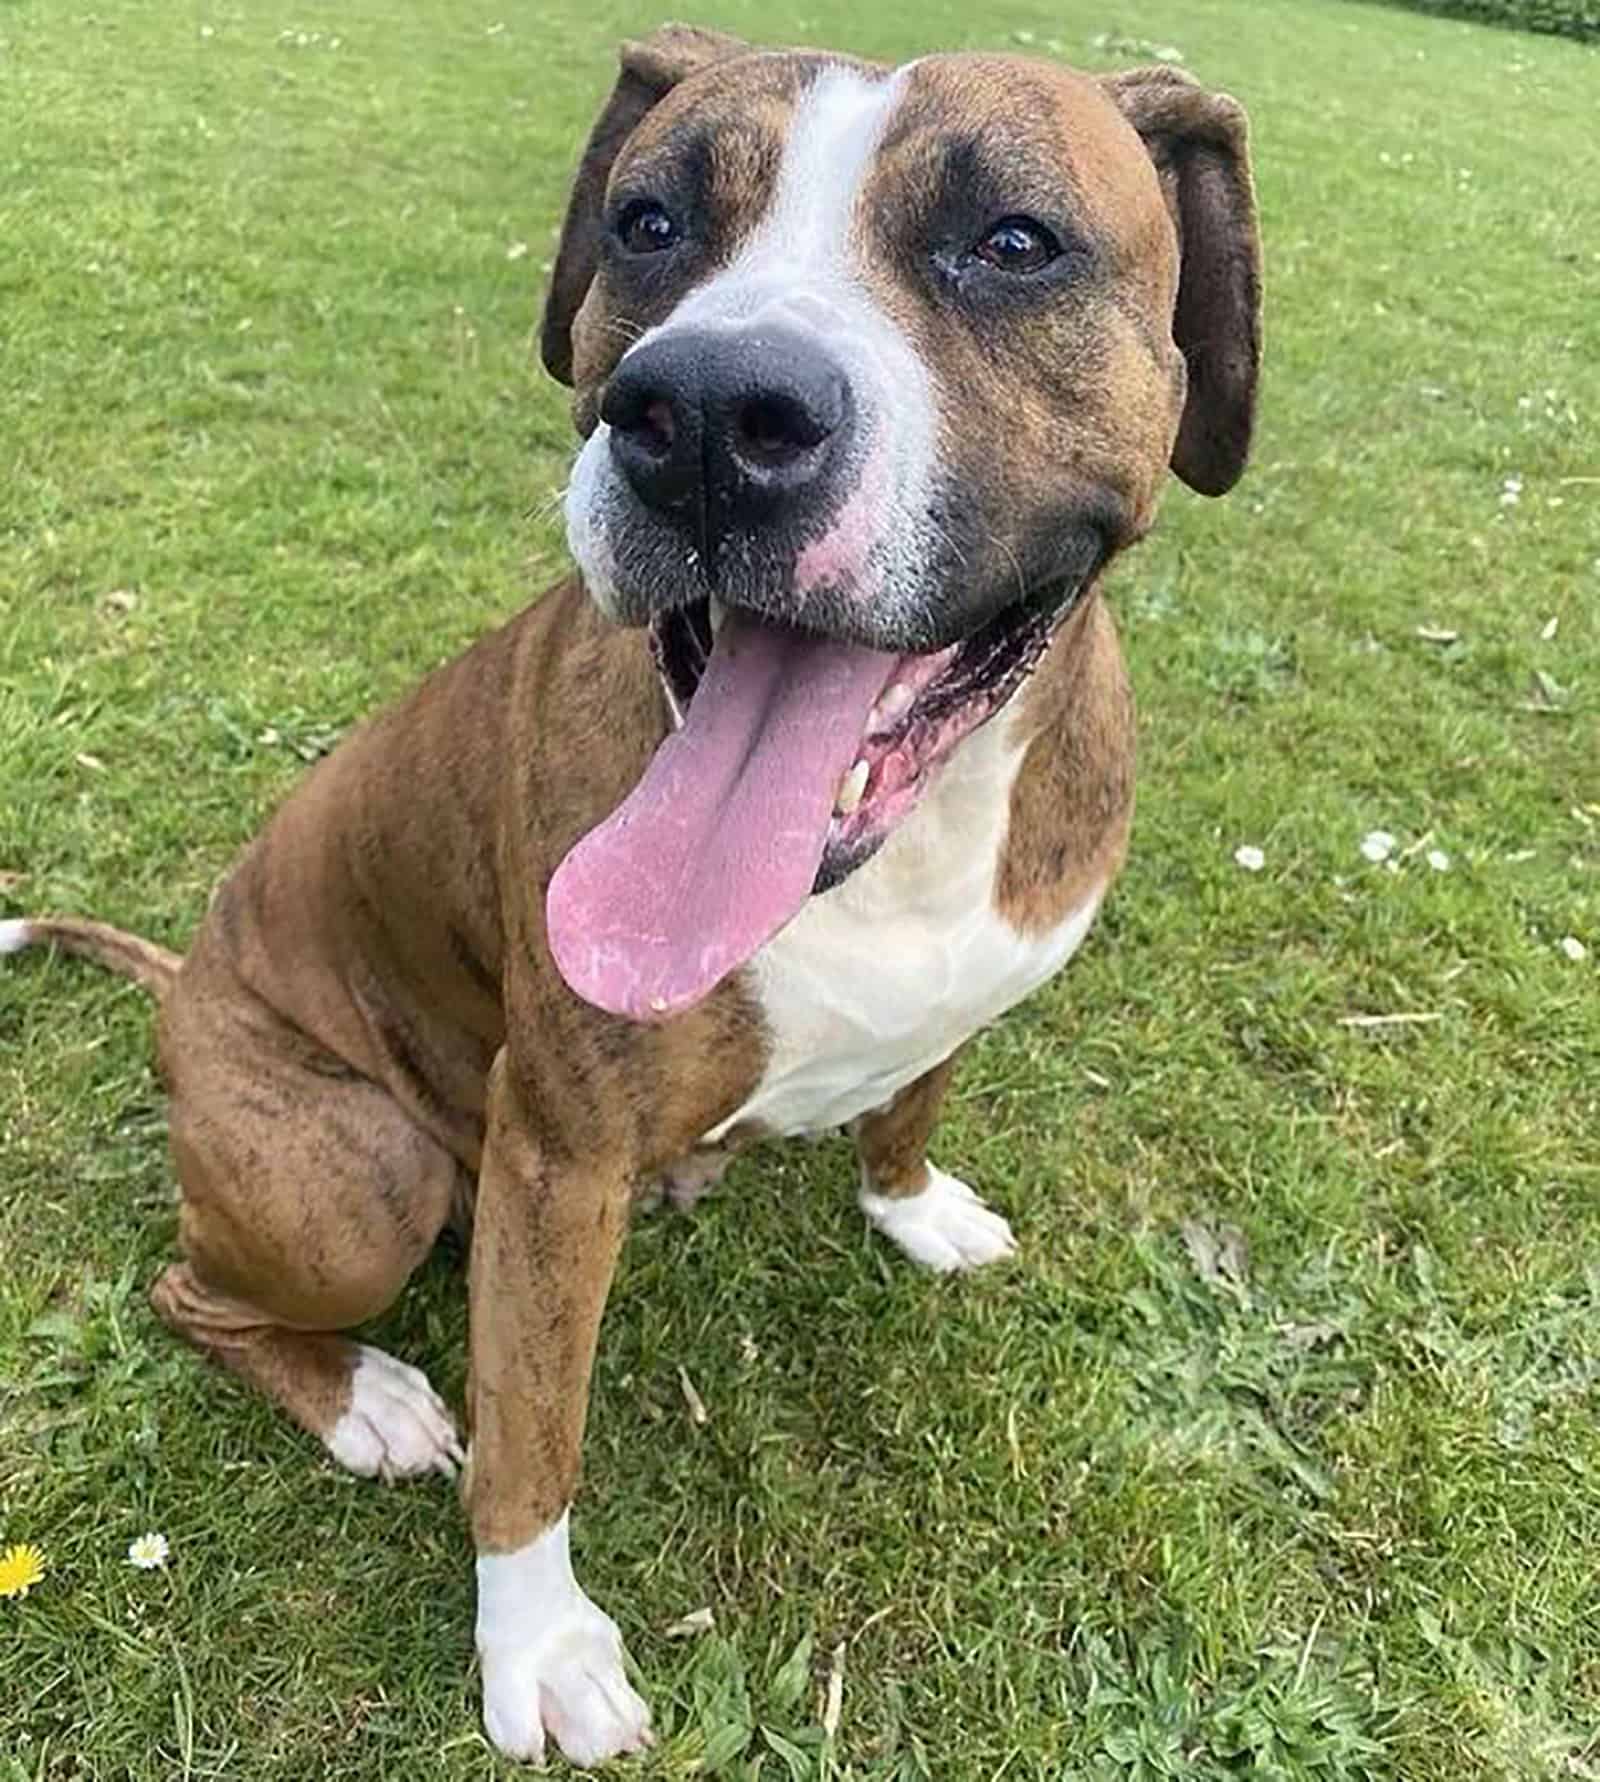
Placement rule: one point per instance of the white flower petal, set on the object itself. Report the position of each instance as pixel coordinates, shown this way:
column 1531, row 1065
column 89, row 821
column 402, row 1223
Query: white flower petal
column 1377, row 845
column 1251, row 859
column 1439, row 860
column 698, row 1621
column 1574, row 948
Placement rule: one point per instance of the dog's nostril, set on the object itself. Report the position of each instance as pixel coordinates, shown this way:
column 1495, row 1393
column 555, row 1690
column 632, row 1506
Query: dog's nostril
column 772, row 428
column 655, row 428
column 642, row 414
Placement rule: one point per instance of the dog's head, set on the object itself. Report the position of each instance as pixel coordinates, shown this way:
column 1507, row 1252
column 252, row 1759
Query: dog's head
column 877, row 367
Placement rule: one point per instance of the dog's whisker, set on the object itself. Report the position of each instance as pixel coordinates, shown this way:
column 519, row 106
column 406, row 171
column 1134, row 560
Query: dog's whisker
column 542, row 510
column 945, row 541
column 1011, row 557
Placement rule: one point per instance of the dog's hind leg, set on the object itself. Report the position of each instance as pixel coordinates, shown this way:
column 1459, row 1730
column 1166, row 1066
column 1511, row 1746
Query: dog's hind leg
column 375, row 1415
column 308, row 1197
column 935, row 1218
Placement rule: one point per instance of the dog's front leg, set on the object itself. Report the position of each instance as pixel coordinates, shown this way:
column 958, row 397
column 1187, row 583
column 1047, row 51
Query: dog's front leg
column 548, row 1226
column 936, row 1219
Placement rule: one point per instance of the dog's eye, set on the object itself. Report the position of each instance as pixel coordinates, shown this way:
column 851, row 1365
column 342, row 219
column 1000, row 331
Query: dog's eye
column 645, row 228
column 1017, row 244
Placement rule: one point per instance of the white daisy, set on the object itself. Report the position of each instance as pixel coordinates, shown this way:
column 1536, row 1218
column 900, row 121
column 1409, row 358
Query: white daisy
column 1251, row 859
column 149, row 1553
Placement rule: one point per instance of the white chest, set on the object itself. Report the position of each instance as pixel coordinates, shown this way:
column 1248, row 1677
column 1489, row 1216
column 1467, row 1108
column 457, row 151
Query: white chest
column 876, row 982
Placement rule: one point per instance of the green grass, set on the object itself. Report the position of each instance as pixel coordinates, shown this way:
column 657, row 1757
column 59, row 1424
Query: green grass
column 1277, row 1452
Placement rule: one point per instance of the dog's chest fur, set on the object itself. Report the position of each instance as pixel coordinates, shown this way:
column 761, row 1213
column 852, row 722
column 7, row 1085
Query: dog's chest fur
column 878, row 981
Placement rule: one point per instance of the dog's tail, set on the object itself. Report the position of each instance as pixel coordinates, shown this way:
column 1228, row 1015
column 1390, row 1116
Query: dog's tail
column 126, row 954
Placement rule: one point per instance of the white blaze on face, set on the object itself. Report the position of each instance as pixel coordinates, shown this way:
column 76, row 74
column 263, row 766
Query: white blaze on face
column 802, row 265
column 798, row 257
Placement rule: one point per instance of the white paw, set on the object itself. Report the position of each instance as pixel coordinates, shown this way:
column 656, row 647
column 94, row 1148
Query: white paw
column 569, row 1683
column 552, row 1661
column 944, row 1227
column 396, row 1425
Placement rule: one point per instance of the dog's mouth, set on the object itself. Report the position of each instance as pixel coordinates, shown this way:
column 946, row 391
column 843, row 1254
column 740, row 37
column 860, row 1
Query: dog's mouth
column 927, row 704
column 795, row 757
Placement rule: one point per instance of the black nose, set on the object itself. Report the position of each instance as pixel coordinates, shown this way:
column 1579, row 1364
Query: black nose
column 719, row 430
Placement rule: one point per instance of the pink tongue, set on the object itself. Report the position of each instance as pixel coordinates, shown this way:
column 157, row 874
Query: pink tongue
column 718, row 845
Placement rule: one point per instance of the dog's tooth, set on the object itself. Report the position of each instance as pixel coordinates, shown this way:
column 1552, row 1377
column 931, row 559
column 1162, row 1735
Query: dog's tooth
column 894, row 702
column 851, row 788
column 659, row 1004
column 718, row 613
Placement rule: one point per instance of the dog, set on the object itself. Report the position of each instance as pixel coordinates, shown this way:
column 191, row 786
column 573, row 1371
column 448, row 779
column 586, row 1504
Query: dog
column 822, row 759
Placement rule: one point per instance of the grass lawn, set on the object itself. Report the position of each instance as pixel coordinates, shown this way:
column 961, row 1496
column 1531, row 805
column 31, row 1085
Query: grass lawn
column 1278, row 1450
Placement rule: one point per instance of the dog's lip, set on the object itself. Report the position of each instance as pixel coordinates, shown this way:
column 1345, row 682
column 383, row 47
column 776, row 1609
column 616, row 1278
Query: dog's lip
column 1004, row 648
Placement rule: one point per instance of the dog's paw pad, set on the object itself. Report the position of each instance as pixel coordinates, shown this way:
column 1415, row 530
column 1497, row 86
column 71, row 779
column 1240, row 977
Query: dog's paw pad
column 945, row 1227
column 396, row 1425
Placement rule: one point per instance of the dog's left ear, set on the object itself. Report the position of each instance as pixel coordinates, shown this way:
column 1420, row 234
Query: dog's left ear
column 1199, row 142
column 650, row 69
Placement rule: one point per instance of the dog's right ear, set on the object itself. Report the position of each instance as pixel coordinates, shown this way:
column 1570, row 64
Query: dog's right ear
column 650, row 69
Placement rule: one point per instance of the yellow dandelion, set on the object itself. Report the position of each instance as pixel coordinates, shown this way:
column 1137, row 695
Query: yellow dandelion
column 20, row 1569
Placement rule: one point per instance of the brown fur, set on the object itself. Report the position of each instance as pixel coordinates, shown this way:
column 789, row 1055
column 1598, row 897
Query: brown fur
column 1069, row 408
column 367, row 1037
column 892, row 1142
column 1199, row 143
column 306, row 1372
column 647, row 72
column 1154, row 356
column 729, row 126
column 1072, row 801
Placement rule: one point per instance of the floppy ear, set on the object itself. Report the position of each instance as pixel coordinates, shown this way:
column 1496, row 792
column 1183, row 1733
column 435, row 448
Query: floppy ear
column 649, row 70
column 1199, row 143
